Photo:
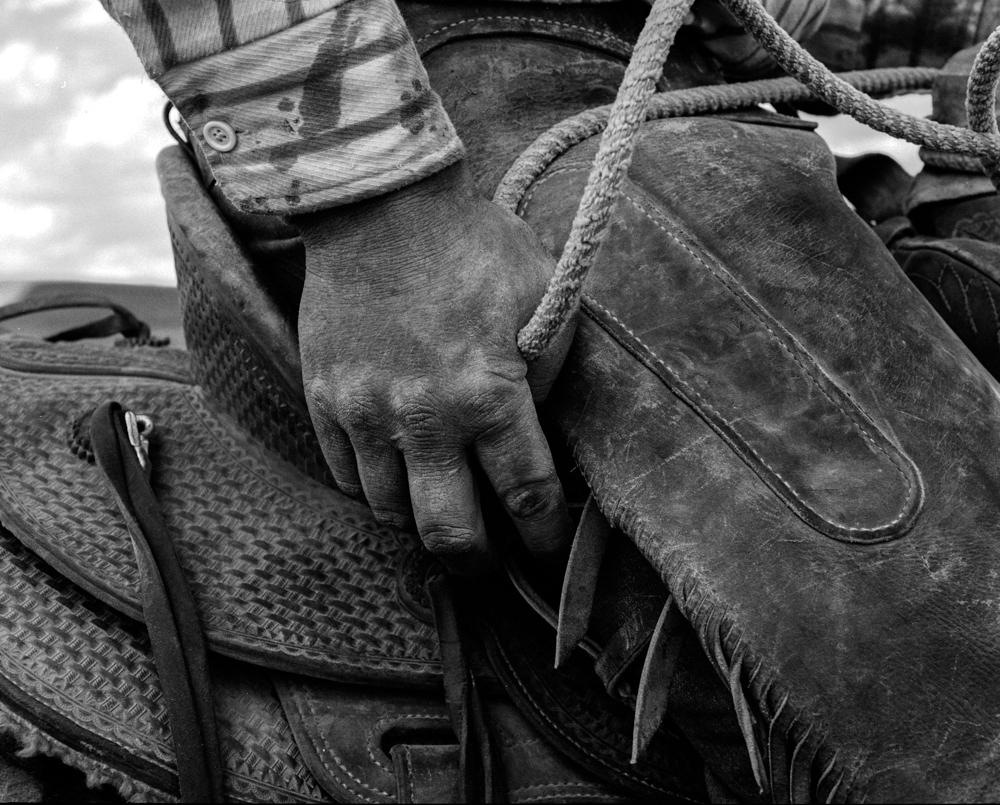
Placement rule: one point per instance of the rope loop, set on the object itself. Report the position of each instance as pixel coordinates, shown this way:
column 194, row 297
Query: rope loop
column 614, row 155
column 637, row 102
column 980, row 100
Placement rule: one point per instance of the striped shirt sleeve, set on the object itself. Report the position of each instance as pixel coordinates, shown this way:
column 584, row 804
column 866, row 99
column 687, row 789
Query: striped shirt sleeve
column 298, row 105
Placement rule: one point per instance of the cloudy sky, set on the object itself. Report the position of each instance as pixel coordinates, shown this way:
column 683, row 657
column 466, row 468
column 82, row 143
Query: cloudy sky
column 79, row 130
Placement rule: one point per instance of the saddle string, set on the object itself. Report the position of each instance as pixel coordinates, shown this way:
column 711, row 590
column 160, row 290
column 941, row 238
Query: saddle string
column 632, row 106
column 119, row 441
column 614, row 155
column 478, row 778
column 122, row 321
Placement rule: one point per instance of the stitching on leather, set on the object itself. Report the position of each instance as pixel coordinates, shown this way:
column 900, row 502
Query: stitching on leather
column 514, row 18
column 391, row 720
column 940, row 288
column 912, row 494
column 370, row 743
column 540, row 712
column 568, row 168
column 851, row 415
column 705, row 404
column 340, row 764
column 965, row 293
column 993, row 306
column 409, row 770
column 963, row 287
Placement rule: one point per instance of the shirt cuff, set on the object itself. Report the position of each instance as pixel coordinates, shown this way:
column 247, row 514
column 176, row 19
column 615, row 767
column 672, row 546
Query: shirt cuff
column 332, row 110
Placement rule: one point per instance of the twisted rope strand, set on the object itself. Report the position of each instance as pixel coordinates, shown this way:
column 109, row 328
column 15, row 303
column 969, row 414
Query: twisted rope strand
column 980, row 99
column 611, row 164
column 790, row 55
column 634, row 104
column 551, row 144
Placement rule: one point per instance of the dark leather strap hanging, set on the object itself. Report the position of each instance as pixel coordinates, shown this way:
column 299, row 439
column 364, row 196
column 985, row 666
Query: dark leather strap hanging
column 178, row 647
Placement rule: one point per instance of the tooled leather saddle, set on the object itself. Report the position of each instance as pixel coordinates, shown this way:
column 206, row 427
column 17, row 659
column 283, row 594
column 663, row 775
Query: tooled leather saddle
column 783, row 583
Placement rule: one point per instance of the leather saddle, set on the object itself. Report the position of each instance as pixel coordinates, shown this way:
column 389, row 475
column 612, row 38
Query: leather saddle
column 784, row 571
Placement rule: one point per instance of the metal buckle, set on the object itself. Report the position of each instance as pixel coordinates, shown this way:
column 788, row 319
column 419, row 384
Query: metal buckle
column 139, row 427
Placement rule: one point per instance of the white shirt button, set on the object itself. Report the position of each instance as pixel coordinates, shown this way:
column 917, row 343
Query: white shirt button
column 219, row 136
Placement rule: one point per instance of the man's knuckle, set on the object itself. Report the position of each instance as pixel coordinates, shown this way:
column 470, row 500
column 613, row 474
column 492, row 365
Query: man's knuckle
column 490, row 399
column 357, row 408
column 532, row 500
column 420, row 415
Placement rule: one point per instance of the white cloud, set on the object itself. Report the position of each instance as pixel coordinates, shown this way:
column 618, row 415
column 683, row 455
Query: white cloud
column 127, row 115
column 87, row 14
column 15, row 175
column 27, row 74
column 24, row 221
column 127, row 264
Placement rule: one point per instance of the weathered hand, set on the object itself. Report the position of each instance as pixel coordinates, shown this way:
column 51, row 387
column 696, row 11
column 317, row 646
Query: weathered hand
column 407, row 326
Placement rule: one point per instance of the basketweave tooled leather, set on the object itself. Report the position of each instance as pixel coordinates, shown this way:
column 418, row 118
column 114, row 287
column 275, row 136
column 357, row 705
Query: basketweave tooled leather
column 331, row 598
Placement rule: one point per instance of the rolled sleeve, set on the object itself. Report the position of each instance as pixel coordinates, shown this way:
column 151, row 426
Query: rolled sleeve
column 297, row 115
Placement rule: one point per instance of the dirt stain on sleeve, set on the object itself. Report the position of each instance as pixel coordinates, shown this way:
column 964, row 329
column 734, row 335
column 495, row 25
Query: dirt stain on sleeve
column 413, row 113
column 321, row 96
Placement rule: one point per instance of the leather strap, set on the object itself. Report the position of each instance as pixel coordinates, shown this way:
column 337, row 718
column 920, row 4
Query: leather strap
column 478, row 780
column 121, row 321
column 168, row 610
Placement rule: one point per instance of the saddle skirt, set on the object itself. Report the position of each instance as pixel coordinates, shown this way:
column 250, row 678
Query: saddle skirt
column 325, row 666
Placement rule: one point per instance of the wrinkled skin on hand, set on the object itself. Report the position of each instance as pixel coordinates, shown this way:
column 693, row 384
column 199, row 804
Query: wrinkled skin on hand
column 407, row 326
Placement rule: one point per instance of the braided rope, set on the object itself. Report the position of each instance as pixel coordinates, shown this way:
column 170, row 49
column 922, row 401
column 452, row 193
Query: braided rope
column 634, row 104
column 980, row 100
column 944, row 160
column 551, row 144
column 611, row 164
column 790, row 55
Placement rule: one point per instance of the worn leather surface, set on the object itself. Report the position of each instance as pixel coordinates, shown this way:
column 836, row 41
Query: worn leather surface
column 506, row 72
column 264, row 548
column 871, row 660
column 318, row 591
column 743, row 373
column 960, row 276
column 825, row 521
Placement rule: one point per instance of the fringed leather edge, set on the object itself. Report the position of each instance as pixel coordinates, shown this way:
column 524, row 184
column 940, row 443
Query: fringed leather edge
column 34, row 742
column 790, row 752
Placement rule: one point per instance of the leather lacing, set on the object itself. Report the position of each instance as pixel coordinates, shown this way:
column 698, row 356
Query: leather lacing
column 133, row 331
column 119, row 442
